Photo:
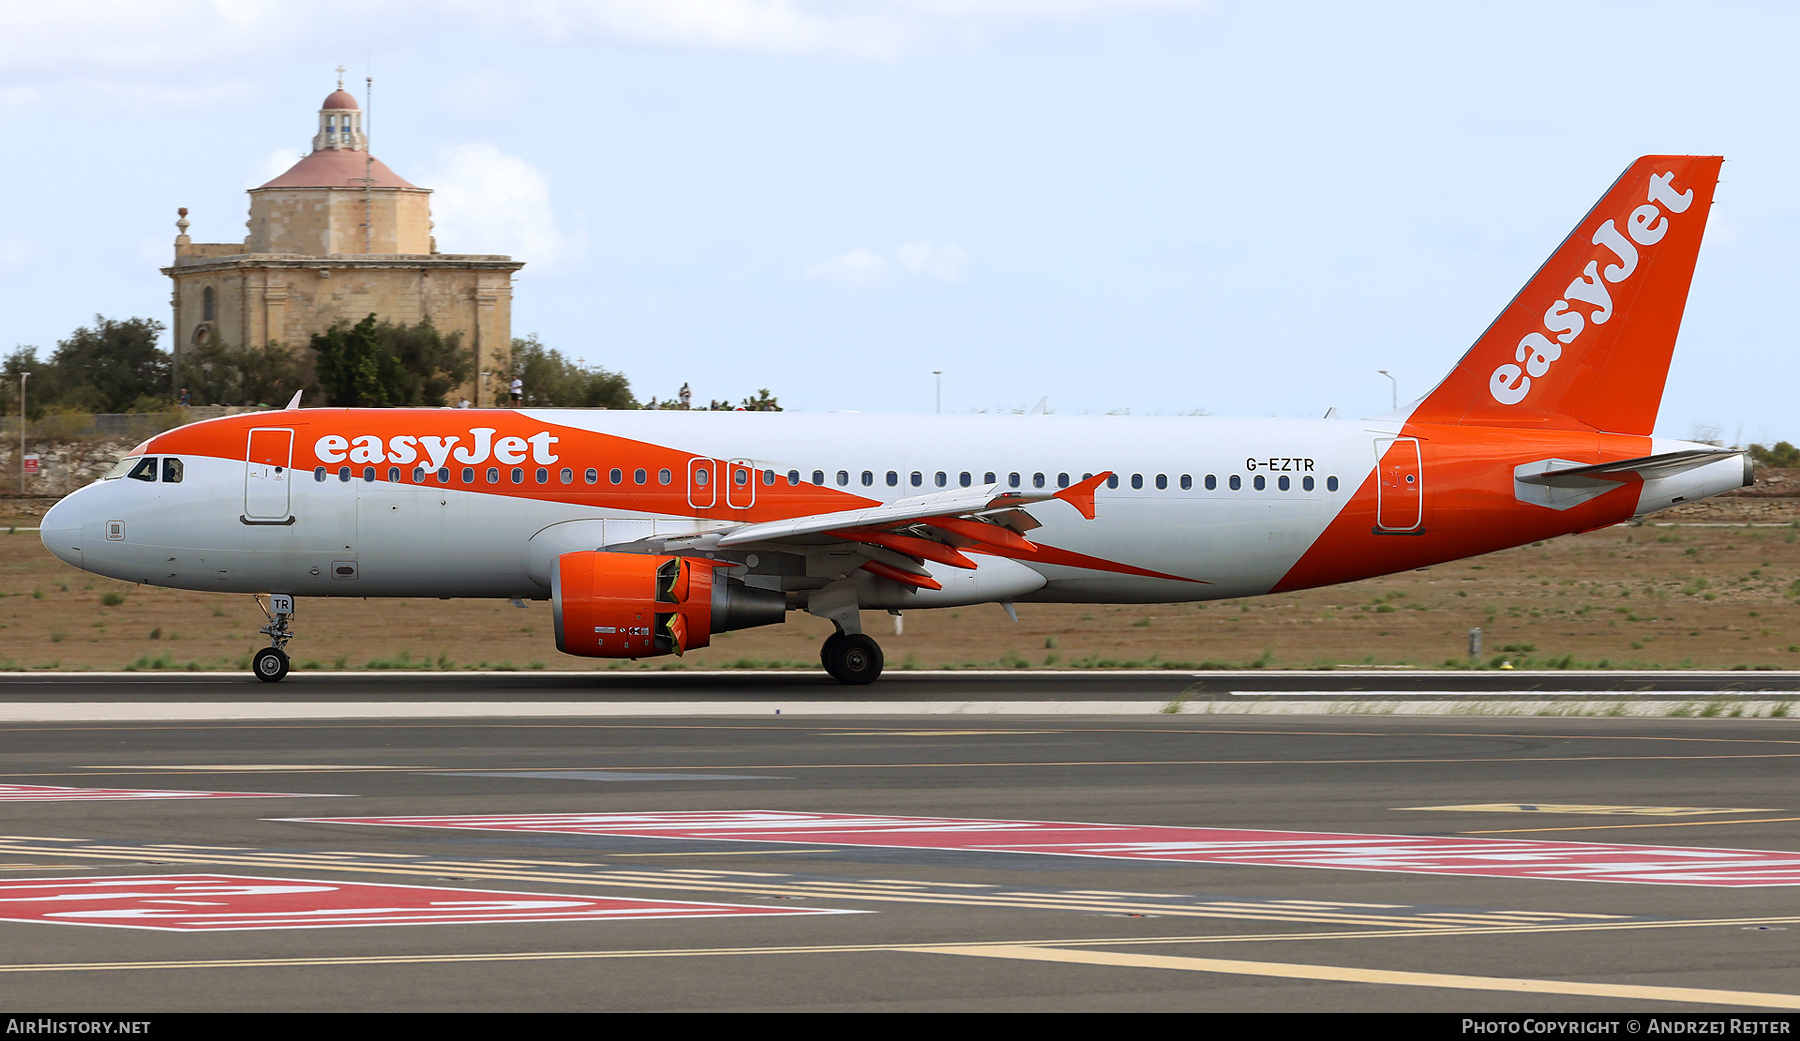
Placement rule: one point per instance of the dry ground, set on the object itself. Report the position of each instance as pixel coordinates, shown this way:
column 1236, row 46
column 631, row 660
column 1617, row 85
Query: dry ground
column 1711, row 592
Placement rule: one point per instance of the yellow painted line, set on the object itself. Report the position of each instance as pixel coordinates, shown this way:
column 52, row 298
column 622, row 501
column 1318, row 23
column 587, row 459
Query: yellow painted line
column 1548, row 807
column 1339, row 974
column 248, row 767
column 1612, row 827
column 726, row 853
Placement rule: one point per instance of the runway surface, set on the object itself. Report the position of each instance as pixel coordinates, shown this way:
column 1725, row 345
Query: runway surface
column 891, row 862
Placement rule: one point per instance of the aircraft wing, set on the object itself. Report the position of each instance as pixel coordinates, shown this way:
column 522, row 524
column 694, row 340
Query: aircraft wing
column 1647, row 468
column 898, row 536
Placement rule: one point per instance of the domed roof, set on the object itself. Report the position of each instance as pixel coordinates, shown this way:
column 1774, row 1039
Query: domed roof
column 338, row 168
column 340, row 98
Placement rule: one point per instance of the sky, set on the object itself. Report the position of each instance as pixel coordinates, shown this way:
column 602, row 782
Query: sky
column 1145, row 206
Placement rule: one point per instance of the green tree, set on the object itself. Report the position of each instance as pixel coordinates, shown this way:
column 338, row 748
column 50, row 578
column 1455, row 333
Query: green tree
column 550, row 379
column 763, row 402
column 1783, row 455
column 106, row 367
column 216, row 373
column 379, row 363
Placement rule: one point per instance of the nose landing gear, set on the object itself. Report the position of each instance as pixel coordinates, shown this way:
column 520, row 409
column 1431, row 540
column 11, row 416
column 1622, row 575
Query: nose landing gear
column 271, row 663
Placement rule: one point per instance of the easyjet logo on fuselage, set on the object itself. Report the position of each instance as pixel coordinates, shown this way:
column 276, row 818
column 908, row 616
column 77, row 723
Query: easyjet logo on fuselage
column 1646, row 227
column 434, row 451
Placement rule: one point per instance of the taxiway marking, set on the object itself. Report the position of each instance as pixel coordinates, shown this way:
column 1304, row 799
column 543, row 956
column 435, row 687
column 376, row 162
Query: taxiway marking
column 215, row 903
column 49, row 793
column 1628, row 811
column 1068, row 952
column 1418, row 854
column 1390, row 977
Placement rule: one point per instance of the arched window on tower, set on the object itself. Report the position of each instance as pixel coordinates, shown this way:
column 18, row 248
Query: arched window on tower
column 206, row 304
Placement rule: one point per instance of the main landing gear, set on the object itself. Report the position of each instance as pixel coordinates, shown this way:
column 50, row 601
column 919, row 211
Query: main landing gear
column 851, row 658
column 271, row 663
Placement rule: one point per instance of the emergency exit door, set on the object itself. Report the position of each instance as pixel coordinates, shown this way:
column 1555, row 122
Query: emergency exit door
column 1400, row 492
column 268, row 475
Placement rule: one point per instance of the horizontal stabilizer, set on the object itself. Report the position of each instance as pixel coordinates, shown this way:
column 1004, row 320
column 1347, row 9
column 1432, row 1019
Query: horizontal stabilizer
column 1647, row 468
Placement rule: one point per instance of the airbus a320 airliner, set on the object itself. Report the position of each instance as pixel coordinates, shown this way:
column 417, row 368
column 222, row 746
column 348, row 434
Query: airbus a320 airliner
column 648, row 532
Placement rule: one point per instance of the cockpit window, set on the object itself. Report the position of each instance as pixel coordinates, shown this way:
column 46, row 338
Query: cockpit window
column 122, row 467
column 145, row 470
column 172, row 470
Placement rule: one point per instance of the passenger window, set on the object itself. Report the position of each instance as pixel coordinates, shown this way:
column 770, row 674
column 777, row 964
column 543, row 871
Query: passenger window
column 818, row 477
column 1112, row 480
column 989, row 478
column 768, row 478
column 1212, row 483
column 1012, row 480
column 793, row 478
column 172, row 470
column 468, row 475
column 662, row 476
column 917, row 478
column 393, row 475
column 1037, row 480
column 640, row 475
column 592, row 476
column 418, row 475
column 567, row 475
column 1282, row 483
column 893, row 479
column 493, row 475
column 1187, row 482
column 518, row 475
column 443, row 475
column 940, row 480
column 613, row 476
column 701, row 476
column 1261, row 482
column 1331, row 484
column 843, row 478
column 868, row 478
column 1137, row 480
column 542, row 476
column 368, row 475
column 1162, row 482
column 965, row 479
column 1237, row 483
column 1062, row 480
column 344, row 474
column 1306, row 484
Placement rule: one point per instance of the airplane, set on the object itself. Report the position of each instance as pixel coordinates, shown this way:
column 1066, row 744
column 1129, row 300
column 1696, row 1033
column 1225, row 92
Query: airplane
column 650, row 531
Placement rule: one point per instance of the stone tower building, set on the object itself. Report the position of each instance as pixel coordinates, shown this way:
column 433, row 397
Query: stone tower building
column 337, row 237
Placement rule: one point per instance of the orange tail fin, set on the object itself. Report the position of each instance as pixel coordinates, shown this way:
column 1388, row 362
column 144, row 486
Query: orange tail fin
column 1586, row 343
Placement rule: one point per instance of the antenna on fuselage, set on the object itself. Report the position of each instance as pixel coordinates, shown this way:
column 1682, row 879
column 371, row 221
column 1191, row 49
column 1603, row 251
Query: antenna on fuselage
column 294, row 402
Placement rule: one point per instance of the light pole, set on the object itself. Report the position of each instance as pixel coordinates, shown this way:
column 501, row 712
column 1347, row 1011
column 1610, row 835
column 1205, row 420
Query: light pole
column 1396, row 387
column 940, row 388
column 23, row 376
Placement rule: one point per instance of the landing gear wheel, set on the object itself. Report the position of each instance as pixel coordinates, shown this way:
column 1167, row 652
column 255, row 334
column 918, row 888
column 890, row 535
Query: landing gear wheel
column 855, row 659
column 832, row 644
column 270, row 664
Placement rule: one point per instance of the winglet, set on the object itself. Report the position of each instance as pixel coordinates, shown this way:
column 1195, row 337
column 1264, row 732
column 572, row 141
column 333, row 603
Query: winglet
column 294, row 402
column 1081, row 496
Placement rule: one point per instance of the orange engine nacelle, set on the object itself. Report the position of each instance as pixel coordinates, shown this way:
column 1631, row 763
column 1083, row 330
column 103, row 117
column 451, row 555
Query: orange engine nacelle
column 627, row 605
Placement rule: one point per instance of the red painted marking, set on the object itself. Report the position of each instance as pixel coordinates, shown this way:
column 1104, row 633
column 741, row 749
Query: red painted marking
column 47, row 793
column 1421, row 854
column 210, row 903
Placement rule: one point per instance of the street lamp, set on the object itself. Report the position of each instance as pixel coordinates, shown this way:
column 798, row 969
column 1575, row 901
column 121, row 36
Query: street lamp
column 1396, row 387
column 940, row 388
column 23, row 376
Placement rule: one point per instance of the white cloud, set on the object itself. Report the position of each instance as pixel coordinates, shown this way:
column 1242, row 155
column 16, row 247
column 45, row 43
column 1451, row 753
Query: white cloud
column 272, row 166
column 946, row 263
column 924, row 260
column 486, row 201
column 143, row 51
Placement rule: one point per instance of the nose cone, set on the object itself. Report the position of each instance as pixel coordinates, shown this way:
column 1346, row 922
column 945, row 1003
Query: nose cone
column 61, row 530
